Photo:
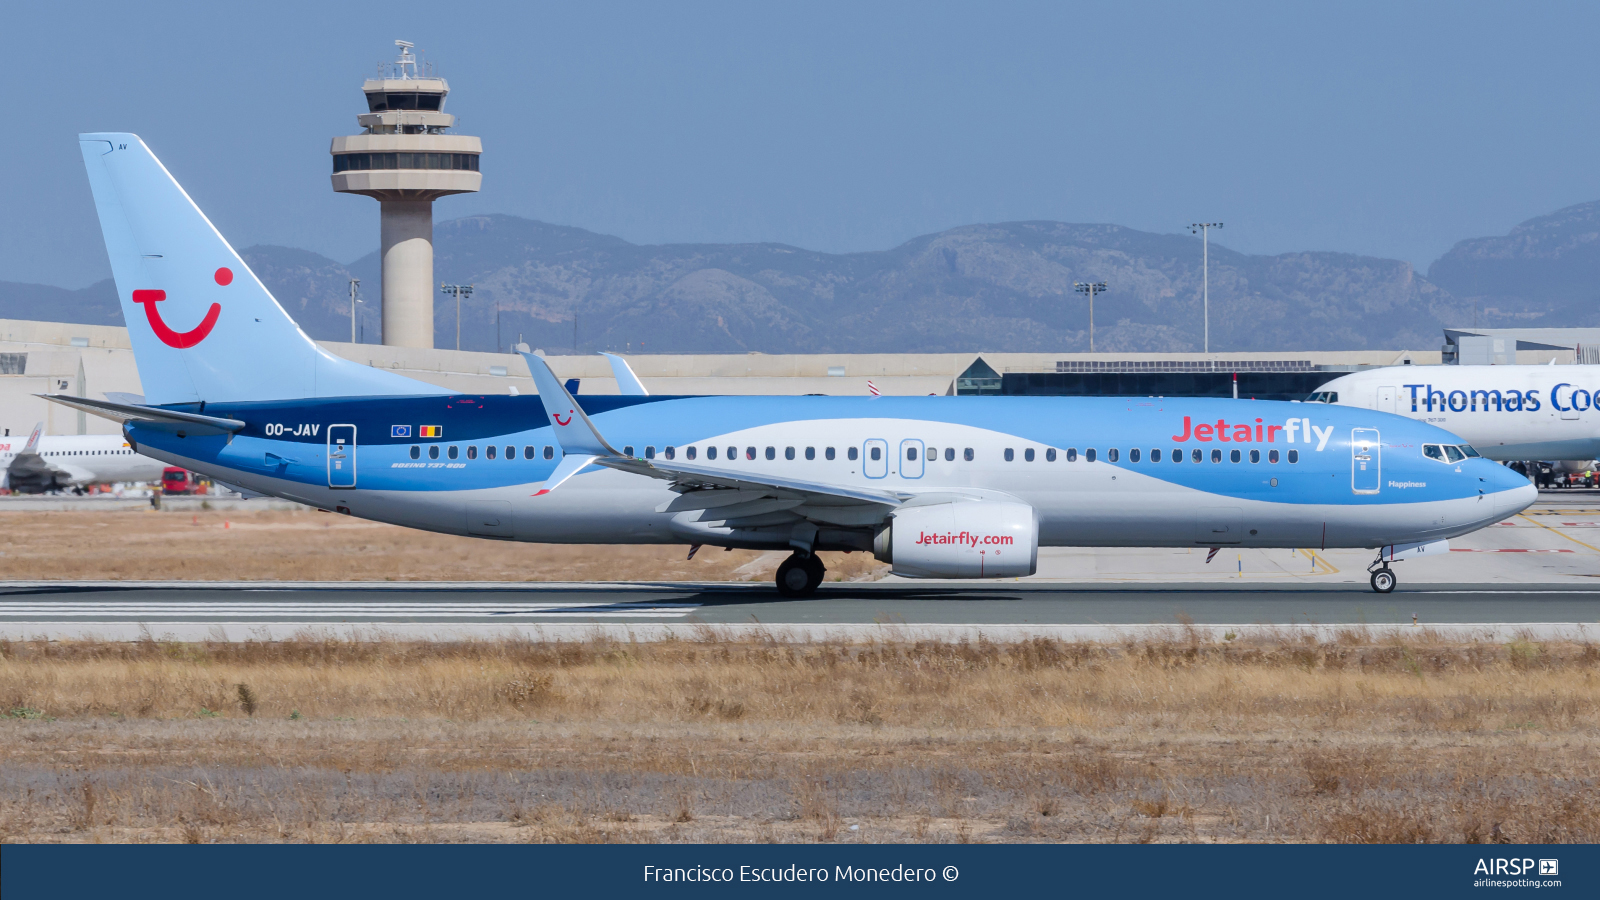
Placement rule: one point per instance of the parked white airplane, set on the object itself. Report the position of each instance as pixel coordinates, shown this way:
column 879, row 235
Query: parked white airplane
column 1506, row 412
column 57, row 462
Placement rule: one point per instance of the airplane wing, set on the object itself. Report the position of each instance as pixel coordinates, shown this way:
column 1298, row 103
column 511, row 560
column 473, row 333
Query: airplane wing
column 732, row 499
column 169, row 419
column 628, row 383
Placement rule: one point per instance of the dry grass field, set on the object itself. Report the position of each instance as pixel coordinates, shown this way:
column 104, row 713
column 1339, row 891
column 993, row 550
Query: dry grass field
column 1356, row 740
column 282, row 545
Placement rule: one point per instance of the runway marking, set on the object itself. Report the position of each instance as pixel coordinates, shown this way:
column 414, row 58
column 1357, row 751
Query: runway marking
column 1509, row 550
column 1567, row 536
column 318, row 611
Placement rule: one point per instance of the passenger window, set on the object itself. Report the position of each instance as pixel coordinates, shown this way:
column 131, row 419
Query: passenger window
column 1216, row 456
column 1272, row 456
column 416, row 452
column 772, row 452
column 852, row 453
column 1133, row 455
column 711, row 453
column 828, row 453
column 1255, row 456
column 693, row 452
column 911, row 453
column 1155, row 454
column 670, row 452
column 788, row 453
column 433, row 451
column 877, row 454
column 649, row 451
column 549, row 452
column 530, row 452
column 1050, row 455
column 1072, row 454
column 1010, row 454
column 1433, row 451
column 1294, row 456
column 451, row 452
column 488, row 452
column 627, row 450
column 511, row 452
column 472, row 451
column 1177, row 455
column 1454, row 453
column 1233, row 456
column 811, row 453
column 1027, row 455
column 1111, row 455
column 967, row 454
column 1088, row 455
column 1196, row 455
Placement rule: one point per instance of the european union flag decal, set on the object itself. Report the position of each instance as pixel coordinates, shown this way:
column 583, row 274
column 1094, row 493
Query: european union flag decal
column 399, row 431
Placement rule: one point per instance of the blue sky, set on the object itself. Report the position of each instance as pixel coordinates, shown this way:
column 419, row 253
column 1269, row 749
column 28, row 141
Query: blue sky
column 1376, row 128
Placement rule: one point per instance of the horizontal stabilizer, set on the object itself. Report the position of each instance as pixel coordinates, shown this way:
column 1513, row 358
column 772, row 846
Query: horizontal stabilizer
column 192, row 423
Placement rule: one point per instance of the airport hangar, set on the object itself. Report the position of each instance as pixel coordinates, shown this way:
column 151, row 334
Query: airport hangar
column 97, row 360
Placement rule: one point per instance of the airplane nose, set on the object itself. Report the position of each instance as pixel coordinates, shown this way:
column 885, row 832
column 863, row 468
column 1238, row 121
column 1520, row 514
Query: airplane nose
column 1516, row 493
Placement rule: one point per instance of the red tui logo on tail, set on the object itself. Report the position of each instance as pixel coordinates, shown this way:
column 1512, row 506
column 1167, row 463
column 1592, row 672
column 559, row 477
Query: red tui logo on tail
column 182, row 340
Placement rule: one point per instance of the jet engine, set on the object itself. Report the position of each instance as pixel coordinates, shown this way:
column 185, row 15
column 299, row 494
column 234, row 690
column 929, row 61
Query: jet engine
column 963, row 539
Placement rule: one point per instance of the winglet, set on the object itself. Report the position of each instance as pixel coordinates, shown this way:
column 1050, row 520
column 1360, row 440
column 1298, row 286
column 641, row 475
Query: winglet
column 573, row 430
column 33, row 439
column 628, row 384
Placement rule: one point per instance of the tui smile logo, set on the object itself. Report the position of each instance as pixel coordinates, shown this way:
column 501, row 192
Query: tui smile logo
column 568, row 421
column 181, row 340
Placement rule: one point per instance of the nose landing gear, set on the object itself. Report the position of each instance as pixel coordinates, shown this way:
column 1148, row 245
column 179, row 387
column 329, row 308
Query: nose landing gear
column 799, row 575
column 1383, row 580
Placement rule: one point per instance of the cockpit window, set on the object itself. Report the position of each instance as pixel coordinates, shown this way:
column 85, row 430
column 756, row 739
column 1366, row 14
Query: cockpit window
column 1433, row 451
column 1454, row 453
column 1324, row 397
column 1471, row 453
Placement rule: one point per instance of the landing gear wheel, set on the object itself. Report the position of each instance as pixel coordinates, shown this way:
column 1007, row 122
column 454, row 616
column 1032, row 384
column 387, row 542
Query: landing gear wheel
column 799, row 576
column 1383, row 580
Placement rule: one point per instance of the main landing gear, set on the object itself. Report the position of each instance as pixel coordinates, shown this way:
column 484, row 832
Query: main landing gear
column 1383, row 580
column 799, row 575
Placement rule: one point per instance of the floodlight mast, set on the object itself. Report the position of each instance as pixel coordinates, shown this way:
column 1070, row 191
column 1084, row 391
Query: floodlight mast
column 460, row 290
column 1091, row 288
column 1204, row 230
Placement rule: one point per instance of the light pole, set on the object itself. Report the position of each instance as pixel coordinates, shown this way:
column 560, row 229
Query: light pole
column 1091, row 288
column 1204, row 230
column 460, row 290
column 354, row 283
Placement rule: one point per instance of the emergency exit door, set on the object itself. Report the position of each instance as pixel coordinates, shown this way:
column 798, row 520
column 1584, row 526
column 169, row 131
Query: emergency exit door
column 1366, row 461
column 341, row 456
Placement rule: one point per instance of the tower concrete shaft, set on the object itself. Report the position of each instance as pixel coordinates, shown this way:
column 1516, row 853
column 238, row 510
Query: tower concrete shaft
column 404, row 159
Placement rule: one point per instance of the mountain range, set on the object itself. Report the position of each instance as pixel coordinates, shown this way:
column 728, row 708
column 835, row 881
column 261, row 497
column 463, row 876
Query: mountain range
column 999, row 287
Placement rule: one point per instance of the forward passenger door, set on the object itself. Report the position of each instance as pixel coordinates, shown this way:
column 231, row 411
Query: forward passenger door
column 1366, row 461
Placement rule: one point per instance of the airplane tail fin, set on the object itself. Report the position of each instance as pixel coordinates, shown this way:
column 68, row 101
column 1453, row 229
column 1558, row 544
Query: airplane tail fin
column 203, row 327
column 33, row 439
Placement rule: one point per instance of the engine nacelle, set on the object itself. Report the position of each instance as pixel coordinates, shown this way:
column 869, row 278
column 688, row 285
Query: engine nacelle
column 964, row 539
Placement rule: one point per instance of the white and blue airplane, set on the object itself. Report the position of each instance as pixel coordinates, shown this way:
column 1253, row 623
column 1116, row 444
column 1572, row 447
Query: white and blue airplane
column 938, row 487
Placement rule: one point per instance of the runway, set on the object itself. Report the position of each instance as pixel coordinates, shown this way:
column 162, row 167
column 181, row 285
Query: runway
column 641, row 611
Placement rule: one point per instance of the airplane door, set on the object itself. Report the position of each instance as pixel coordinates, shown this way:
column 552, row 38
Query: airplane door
column 911, row 453
column 1386, row 399
column 876, row 463
column 341, row 456
column 1366, row 461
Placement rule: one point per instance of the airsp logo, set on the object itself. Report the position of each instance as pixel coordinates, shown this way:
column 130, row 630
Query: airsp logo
column 1515, row 867
column 1549, row 867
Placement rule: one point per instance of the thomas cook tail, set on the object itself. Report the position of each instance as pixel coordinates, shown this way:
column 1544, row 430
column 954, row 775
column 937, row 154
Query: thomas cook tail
column 203, row 327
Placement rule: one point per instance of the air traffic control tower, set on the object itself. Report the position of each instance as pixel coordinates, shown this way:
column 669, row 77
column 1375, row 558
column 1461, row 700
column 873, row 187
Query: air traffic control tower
column 404, row 159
